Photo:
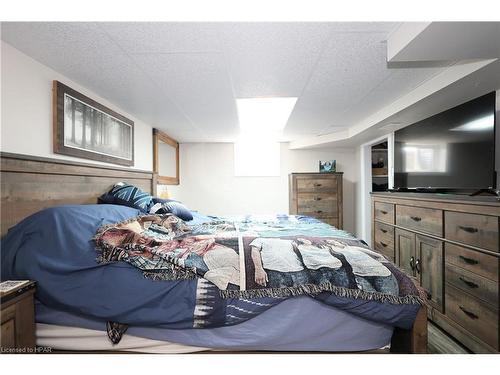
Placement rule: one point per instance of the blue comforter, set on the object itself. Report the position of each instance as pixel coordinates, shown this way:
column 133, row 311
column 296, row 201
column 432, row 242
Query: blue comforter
column 55, row 248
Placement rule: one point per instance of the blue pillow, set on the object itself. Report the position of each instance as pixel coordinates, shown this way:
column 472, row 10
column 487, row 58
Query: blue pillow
column 165, row 206
column 127, row 195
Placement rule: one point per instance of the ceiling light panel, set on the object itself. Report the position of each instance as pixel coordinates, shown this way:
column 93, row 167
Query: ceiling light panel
column 264, row 114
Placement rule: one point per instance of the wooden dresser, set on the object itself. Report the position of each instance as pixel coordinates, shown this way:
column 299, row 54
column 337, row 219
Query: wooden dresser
column 450, row 245
column 318, row 195
column 18, row 320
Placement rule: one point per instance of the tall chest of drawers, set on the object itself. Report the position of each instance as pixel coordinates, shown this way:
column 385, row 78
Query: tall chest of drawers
column 318, row 195
column 450, row 245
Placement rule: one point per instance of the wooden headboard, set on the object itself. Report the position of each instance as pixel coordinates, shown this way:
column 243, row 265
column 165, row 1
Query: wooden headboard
column 30, row 183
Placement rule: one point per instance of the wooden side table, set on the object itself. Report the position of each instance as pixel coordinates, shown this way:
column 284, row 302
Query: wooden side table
column 18, row 320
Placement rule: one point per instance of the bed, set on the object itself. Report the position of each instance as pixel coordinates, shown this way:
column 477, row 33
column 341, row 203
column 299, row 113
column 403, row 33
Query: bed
column 30, row 184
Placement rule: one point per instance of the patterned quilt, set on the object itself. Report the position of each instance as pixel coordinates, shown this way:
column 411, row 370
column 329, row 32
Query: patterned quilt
column 250, row 257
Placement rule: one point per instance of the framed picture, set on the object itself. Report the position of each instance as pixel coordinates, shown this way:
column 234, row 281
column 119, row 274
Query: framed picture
column 328, row 166
column 165, row 158
column 87, row 129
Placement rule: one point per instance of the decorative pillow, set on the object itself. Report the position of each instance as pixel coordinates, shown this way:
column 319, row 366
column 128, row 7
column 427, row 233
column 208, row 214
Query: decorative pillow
column 165, row 206
column 127, row 195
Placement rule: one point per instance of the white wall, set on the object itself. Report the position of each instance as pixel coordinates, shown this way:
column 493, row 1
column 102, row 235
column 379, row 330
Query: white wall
column 26, row 106
column 208, row 184
column 363, row 196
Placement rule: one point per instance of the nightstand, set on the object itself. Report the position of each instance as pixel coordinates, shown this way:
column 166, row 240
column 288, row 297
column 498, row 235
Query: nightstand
column 18, row 319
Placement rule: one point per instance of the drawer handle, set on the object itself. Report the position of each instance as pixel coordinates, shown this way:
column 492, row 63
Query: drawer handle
column 418, row 266
column 383, row 212
column 470, row 284
column 383, row 244
column 383, row 230
column 469, row 229
column 416, row 218
column 317, row 198
column 317, row 185
column 468, row 313
column 412, row 263
column 319, row 211
column 468, row 260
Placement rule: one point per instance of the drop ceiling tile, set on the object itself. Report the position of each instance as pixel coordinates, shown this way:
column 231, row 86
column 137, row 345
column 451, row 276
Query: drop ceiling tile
column 364, row 27
column 399, row 83
column 351, row 66
column 199, row 84
column 272, row 59
column 163, row 37
column 69, row 46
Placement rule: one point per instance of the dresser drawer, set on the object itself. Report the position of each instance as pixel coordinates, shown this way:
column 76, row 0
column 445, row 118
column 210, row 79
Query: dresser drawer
column 481, row 264
column 384, row 212
column 384, row 240
column 316, row 185
column 319, row 211
column 313, row 202
column 427, row 220
column 477, row 317
column 472, row 229
column 478, row 286
column 8, row 327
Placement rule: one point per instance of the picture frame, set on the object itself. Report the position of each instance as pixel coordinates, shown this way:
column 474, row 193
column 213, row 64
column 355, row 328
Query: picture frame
column 165, row 158
column 328, row 166
column 86, row 129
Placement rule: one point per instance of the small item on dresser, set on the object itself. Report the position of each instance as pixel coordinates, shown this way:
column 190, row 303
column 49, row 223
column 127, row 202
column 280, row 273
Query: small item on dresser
column 327, row 166
column 11, row 285
column 11, row 288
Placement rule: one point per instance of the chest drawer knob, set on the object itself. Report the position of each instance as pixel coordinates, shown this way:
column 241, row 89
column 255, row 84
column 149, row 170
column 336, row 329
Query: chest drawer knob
column 319, row 211
column 468, row 313
column 383, row 244
column 383, row 230
column 317, row 185
column 418, row 266
column 470, row 284
column 317, row 198
column 416, row 218
column 383, row 212
column 468, row 260
column 468, row 229
column 412, row 263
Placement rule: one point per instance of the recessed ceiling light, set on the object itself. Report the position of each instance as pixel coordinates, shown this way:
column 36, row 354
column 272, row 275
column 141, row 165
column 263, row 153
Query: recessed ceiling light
column 264, row 114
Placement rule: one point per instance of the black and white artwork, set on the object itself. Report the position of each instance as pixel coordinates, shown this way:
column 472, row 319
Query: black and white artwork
column 87, row 129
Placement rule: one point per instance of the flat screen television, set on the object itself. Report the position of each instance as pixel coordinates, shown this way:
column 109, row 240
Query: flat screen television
column 453, row 150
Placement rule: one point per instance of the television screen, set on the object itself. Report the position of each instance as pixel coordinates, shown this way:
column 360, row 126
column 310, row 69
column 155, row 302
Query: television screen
column 454, row 149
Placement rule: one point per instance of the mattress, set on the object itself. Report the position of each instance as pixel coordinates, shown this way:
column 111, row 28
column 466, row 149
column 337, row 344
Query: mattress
column 296, row 324
column 83, row 339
